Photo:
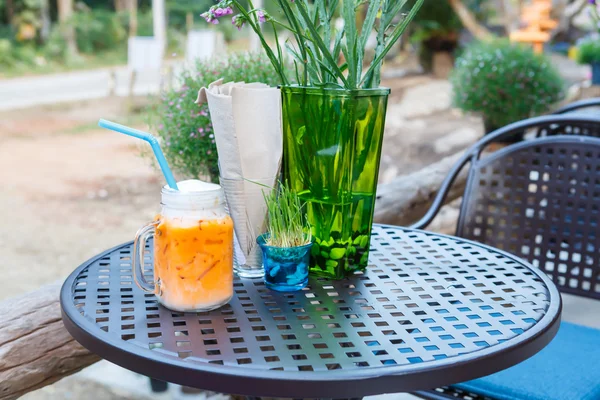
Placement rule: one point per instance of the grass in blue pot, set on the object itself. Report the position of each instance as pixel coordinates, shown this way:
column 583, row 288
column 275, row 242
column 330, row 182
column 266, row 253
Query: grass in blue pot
column 287, row 244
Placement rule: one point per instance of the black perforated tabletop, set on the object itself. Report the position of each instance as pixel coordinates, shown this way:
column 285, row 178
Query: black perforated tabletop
column 430, row 310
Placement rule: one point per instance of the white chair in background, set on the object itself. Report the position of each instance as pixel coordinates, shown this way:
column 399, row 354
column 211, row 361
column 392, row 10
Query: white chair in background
column 203, row 45
column 144, row 54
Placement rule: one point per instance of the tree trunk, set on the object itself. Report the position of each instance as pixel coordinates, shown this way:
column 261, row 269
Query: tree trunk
column 35, row 348
column 189, row 21
column 120, row 5
column 45, row 17
column 159, row 21
column 133, row 21
column 512, row 13
column 65, row 12
column 566, row 13
column 10, row 11
column 407, row 198
column 469, row 21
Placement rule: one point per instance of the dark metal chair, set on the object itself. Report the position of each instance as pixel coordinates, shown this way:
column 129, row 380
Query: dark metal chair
column 538, row 199
column 582, row 106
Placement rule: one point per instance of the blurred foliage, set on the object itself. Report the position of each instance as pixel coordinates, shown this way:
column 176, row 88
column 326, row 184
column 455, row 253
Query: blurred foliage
column 437, row 27
column 97, row 30
column 588, row 50
column 505, row 82
column 437, row 18
column 185, row 127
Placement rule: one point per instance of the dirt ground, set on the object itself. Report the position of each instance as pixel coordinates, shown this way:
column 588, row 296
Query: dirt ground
column 71, row 190
column 68, row 192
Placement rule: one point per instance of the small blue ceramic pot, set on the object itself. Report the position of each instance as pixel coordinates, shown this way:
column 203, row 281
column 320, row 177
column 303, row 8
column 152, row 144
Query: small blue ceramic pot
column 286, row 268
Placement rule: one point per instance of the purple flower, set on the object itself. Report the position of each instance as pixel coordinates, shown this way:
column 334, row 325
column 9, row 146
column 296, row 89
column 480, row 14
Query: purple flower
column 592, row 1
column 209, row 16
column 262, row 16
column 238, row 21
column 219, row 12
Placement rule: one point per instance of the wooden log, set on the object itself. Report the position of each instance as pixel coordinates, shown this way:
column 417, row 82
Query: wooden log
column 35, row 348
column 406, row 199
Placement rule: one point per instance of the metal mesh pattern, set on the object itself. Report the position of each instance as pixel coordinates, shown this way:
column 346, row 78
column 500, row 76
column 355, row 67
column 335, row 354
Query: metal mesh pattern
column 427, row 299
column 540, row 200
column 580, row 128
column 451, row 393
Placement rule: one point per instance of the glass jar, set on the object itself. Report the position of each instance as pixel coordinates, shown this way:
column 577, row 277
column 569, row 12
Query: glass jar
column 193, row 249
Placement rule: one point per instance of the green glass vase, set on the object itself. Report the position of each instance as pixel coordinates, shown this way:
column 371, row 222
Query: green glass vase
column 332, row 149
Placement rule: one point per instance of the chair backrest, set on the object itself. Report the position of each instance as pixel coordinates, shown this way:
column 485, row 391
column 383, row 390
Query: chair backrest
column 537, row 199
column 587, row 106
column 540, row 200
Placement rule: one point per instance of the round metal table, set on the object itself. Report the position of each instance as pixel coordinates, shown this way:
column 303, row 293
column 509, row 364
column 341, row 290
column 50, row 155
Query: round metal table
column 431, row 310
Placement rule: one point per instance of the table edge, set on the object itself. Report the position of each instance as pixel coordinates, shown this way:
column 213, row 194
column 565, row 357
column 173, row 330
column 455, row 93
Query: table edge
column 339, row 383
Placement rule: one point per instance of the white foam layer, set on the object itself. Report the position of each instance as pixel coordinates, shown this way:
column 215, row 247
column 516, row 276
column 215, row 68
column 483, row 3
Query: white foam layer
column 196, row 186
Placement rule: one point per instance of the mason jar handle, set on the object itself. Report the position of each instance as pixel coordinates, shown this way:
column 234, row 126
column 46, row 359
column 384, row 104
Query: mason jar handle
column 139, row 246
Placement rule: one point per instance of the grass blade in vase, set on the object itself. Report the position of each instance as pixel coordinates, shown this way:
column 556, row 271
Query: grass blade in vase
column 287, row 244
column 333, row 112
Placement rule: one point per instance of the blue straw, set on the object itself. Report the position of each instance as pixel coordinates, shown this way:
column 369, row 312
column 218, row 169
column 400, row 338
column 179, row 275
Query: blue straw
column 160, row 157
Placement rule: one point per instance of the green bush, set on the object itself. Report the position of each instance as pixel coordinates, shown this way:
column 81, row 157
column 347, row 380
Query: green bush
column 588, row 50
column 505, row 82
column 185, row 127
column 98, row 30
column 55, row 47
column 6, row 53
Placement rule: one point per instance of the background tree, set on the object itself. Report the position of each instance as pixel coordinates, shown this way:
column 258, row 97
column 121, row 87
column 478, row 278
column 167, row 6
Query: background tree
column 469, row 20
column 65, row 12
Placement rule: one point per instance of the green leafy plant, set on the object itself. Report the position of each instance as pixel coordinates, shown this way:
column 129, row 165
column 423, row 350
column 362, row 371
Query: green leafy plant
column 185, row 127
column 318, row 46
column 287, row 224
column 505, row 82
column 437, row 27
column 588, row 50
column 98, row 30
column 436, row 19
column 6, row 53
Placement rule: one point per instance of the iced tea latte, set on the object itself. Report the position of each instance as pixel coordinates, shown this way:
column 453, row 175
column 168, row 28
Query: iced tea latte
column 193, row 249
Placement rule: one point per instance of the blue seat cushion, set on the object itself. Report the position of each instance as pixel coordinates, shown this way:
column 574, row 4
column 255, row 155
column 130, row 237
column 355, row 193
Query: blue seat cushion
column 567, row 369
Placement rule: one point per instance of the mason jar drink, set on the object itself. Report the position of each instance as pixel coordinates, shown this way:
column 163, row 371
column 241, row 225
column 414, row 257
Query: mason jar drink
column 193, row 249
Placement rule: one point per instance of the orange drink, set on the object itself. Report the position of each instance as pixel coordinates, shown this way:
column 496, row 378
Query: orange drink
column 194, row 264
column 193, row 249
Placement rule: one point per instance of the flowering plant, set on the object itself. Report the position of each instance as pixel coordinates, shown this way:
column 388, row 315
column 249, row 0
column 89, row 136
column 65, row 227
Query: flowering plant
column 185, row 128
column 318, row 46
